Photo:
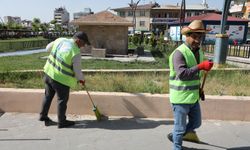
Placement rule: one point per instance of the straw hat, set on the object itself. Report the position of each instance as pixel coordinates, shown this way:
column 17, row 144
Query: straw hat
column 194, row 26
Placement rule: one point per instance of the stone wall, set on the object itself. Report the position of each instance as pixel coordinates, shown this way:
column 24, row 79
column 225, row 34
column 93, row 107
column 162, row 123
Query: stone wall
column 113, row 38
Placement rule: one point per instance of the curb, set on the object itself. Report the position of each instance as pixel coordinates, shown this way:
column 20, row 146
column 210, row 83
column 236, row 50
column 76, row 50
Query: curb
column 124, row 104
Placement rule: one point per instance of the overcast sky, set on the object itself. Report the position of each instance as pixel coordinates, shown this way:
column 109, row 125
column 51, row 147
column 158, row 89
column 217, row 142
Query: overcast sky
column 44, row 9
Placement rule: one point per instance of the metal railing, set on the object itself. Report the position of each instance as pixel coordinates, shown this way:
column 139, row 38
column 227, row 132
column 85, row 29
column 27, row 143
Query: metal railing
column 242, row 51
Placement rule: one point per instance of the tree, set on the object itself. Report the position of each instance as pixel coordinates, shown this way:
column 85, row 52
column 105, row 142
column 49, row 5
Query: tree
column 133, row 6
column 44, row 27
column 36, row 23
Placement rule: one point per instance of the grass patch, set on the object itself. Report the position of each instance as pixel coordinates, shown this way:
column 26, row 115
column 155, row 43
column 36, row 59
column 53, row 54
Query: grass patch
column 218, row 82
column 34, row 61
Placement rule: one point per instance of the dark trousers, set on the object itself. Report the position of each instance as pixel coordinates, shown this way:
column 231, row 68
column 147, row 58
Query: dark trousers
column 62, row 91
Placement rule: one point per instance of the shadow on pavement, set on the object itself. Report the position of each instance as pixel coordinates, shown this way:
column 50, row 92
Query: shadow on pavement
column 186, row 148
column 121, row 124
column 24, row 140
column 1, row 112
column 204, row 143
column 239, row 148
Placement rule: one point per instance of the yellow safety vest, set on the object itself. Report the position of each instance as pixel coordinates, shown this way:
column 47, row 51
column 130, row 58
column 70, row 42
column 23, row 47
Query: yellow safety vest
column 184, row 91
column 59, row 65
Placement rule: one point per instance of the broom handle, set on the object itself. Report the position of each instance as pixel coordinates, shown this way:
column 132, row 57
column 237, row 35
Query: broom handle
column 204, row 80
column 205, row 76
column 89, row 96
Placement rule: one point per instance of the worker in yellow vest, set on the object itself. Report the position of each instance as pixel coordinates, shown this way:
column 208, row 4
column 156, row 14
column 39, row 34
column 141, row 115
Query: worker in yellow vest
column 62, row 71
column 186, row 64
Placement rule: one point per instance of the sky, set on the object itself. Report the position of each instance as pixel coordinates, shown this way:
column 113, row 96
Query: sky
column 44, row 9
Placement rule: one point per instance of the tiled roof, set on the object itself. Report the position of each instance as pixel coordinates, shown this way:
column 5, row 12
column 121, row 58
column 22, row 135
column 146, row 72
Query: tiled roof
column 188, row 7
column 213, row 17
column 102, row 18
column 146, row 6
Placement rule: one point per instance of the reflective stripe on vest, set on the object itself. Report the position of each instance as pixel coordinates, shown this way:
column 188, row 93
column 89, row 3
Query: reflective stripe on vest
column 184, row 91
column 60, row 69
column 62, row 62
column 59, row 65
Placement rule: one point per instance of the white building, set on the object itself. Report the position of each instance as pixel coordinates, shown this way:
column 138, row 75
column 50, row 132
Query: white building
column 27, row 23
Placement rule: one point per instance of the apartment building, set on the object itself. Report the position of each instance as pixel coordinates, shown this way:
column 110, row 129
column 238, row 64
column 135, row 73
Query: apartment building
column 11, row 19
column 241, row 9
column 153, row 17
column 142, row 14
column 61, row 15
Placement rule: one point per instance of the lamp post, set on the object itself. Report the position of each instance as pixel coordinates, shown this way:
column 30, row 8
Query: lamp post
column 182, row 16
column 221, row 43
column 133, row 6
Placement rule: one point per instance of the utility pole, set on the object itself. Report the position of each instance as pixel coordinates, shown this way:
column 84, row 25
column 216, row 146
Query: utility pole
column 133, row 6
column 182, row 16
column 221, row 44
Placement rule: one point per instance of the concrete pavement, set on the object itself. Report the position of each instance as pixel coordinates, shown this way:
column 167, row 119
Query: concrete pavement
column 22, row 131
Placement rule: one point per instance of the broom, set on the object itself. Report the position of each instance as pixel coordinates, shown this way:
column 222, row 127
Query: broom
column 98, row 115
column 202, row 95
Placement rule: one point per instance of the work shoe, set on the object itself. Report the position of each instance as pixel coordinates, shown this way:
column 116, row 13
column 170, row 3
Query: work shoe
column 170, row 137
column 47, row 121
column 65, row 124
column 44, row 119
column 191, row 137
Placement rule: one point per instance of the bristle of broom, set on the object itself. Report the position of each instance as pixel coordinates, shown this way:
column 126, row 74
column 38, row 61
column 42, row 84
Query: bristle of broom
column 97, row 113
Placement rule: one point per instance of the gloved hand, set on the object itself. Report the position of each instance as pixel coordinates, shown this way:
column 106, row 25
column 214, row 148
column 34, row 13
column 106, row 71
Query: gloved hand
column 202, row 95
column 205, row 65
column 82, row 82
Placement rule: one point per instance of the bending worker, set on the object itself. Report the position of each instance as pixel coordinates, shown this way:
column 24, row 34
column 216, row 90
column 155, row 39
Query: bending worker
column 186, row 64
column 62, row 71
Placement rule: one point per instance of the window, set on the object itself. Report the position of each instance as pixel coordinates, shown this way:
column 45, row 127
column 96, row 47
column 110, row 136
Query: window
column 189, row 14
column 196, row 13
column 130, row 13
column 142, row 13
column 142, row 23
column 122, row 14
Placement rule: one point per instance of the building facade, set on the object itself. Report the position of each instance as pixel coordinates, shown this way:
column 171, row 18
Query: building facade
column 87, row 11
column 236, row 28
column 11, row 19
column 61, row 15
column 142, row 14
column 103, row 28
column 153, row 17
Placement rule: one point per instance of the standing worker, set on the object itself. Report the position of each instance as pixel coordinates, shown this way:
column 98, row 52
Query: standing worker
column 62, row 71
column 186, row 63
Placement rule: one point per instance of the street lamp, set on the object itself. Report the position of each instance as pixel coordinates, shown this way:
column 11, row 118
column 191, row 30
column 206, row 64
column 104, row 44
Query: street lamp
column 182, row 16
column 133, row 6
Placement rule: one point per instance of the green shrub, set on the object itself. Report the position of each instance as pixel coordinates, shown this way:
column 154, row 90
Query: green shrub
column 135, row 39
column 152, row 40
column 146, row 40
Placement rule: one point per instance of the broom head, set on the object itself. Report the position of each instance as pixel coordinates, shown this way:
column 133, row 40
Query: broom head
column 97, row 113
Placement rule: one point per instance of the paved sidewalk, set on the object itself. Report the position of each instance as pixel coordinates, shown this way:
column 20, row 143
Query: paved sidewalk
column 24, row 132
